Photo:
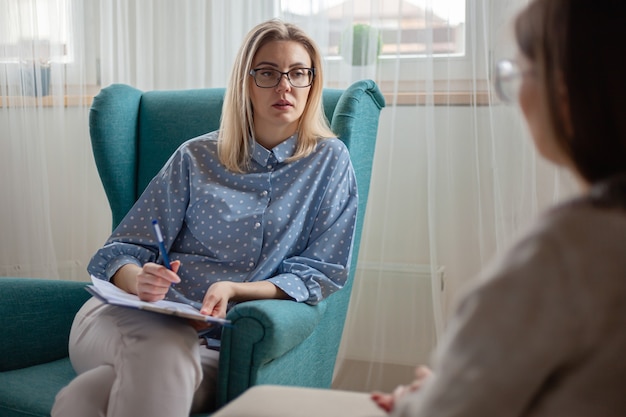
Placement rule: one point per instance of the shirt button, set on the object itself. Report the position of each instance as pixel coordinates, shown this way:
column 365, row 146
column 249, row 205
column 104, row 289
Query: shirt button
column 264, row 193
column 257, row 225
column 270, row 166
column 251, row 264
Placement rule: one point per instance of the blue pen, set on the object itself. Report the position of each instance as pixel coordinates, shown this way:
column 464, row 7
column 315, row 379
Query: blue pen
column 159, row 236
column 166, row 262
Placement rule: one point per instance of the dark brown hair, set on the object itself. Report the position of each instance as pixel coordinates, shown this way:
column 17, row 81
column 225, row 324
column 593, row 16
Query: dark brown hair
column 576, row 47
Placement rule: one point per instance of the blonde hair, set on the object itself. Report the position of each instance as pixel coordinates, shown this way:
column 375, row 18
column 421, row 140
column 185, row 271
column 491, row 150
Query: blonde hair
column 235, row 137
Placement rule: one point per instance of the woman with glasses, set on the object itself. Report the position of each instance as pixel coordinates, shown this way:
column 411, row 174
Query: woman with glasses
column 543, row 331
column 263, row 208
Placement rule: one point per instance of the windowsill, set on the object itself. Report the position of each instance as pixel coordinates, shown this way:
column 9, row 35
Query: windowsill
column 436, row 93
column 47, row 101
column 438, row 98
column 439, row 93
column 74, row 97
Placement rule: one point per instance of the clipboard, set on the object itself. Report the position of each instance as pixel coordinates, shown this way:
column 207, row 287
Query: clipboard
column 110, row 294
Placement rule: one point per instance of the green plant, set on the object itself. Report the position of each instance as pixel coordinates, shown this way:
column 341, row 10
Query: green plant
column 366, row 42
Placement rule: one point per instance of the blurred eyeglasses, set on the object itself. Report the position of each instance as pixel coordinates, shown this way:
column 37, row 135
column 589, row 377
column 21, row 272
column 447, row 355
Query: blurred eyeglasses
column 269, row 78
column 508, row 79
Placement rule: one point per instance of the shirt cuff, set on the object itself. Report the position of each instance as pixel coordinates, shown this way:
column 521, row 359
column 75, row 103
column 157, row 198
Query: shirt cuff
column 116, row 263
column 292, row 286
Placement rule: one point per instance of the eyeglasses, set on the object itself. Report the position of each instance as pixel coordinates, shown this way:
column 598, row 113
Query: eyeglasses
column 508, row 79
column 269, row 78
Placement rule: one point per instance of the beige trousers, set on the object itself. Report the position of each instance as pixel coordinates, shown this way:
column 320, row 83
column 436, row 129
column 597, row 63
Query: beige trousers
column 132, row 363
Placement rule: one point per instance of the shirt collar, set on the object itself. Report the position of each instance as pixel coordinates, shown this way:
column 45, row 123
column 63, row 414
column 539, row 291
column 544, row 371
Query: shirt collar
column 281, row 152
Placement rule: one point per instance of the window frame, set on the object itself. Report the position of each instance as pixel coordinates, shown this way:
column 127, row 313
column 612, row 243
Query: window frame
column 458, row 79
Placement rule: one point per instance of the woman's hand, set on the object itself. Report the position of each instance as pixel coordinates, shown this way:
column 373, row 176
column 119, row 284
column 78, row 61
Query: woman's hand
column 388, row 401
column 221, row 293
column 154, row 280
column 217, row 297
column 214, row 303
column 149, row 283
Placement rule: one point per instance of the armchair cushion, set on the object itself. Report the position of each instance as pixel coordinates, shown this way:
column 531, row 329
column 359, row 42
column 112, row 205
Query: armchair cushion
column 31, row 391
column 35, row 317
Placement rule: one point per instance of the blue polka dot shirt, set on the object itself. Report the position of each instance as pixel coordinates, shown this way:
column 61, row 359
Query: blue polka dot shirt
column 291, row 223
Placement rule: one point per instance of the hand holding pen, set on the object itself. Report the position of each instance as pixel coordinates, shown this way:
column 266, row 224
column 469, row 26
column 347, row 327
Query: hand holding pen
column 172, row 294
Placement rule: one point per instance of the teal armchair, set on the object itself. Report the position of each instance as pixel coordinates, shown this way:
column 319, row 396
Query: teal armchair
column 277, row 342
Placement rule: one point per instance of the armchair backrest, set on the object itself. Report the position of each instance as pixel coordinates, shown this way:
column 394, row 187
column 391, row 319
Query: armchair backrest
column 133, row 133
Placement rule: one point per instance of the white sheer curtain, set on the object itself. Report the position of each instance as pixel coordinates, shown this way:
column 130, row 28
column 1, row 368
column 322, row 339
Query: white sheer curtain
column 160, row 44
column 456, row 179
column 455, row 174
column 47, row 175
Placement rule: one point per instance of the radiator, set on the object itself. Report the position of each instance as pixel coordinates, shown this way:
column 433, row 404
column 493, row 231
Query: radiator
column 395, row 314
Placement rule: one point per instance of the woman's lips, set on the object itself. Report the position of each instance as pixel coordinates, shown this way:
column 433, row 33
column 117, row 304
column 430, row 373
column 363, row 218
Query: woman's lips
column 281, row 104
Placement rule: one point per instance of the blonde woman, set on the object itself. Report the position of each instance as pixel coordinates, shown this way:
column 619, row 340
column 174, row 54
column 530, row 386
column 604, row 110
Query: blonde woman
column 263, row 208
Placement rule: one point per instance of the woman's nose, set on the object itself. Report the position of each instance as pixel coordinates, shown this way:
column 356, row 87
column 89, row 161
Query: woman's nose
column 284, row 83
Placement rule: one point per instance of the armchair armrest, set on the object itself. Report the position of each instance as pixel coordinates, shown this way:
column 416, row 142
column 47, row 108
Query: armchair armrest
column 35, row 317
column 264, row 331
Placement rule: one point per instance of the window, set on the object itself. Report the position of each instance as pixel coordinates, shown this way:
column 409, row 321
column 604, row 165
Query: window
column 35, row 31
column 38, row 51
column 403, row 28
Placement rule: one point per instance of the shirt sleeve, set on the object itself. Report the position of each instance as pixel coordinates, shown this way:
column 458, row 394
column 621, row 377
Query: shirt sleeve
column 323, row 266
column 505, row 340
column 133, row 241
